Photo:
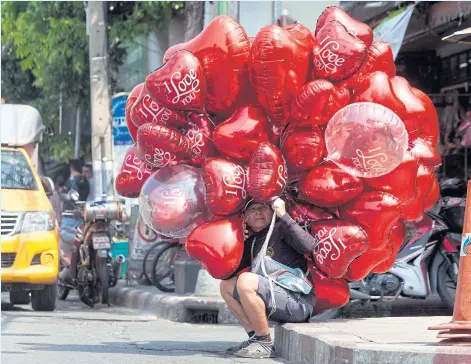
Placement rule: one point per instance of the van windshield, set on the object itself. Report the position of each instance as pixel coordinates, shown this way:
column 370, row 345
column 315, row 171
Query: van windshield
column 16, row 172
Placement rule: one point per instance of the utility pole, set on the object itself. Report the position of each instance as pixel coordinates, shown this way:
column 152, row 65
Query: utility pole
column 102, row 143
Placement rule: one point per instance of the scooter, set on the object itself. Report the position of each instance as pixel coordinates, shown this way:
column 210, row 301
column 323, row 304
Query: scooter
column 427, row 262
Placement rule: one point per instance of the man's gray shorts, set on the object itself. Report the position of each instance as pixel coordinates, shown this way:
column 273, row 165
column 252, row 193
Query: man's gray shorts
column 290, row 306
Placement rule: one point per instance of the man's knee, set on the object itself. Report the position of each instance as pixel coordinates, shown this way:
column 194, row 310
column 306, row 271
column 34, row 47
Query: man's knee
column 226, row 287
column 247, row 284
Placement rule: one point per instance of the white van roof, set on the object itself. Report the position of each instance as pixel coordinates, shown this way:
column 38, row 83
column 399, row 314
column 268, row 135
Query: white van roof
column 20, row 125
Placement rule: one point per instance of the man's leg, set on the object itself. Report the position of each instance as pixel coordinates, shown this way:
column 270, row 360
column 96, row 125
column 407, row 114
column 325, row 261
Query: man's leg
column 252, row 303
column 227, row 291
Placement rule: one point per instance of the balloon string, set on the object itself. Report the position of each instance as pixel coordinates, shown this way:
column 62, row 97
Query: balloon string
column 211, row 120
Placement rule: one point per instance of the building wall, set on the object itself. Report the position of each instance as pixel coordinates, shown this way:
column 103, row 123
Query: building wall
column 306, row 12
column 254, row 15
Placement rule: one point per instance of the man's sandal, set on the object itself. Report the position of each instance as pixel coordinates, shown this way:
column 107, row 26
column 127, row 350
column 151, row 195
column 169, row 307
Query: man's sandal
column 257, row 350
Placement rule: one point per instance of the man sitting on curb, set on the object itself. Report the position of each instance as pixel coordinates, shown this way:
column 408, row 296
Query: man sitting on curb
column 250, row 296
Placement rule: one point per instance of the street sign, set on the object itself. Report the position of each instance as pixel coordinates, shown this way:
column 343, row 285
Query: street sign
column 121, row 134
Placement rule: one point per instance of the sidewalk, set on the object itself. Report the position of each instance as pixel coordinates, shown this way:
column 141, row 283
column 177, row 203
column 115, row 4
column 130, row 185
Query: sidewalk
column 385, row 340
column 169, row 306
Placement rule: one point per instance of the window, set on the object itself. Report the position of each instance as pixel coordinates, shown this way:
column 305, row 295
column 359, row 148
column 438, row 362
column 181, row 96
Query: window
column 16, row 172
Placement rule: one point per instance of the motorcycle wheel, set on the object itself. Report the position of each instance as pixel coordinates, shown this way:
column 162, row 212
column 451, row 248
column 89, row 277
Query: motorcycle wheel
column 62, row 289
column 103, row 277
column 446, row 284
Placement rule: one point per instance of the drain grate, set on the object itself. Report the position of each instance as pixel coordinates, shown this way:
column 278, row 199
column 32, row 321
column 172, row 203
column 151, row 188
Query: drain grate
column 203, row 316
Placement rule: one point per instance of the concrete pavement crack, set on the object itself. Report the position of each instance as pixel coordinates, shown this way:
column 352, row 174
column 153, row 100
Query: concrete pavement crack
column 348, row 333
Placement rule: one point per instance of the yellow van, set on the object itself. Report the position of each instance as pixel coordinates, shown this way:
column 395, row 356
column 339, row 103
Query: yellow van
column 29, row 231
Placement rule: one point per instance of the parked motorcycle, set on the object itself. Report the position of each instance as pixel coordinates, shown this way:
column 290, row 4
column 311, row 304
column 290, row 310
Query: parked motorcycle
column 91, row 270
column 427, row 262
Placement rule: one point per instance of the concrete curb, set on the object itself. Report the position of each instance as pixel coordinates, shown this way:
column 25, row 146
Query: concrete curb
column 171, row 307
column 316, row 343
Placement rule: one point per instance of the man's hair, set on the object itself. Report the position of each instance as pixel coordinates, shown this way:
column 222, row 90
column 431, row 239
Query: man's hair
column 76, row 165
column 89, row 166
column 60, row 180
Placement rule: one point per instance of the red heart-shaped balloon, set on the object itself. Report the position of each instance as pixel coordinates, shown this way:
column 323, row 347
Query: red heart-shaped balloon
column 226, row 186
column 401, row 182
column 337, row 244
column 415, row 209
column 330, row 293
column 304, row 41
column 430, row 129
column 304, row 213
column 302, row 147
column 218, row 246
column 133, row 96
column 223, row 49
column 199, row 131
column 239, row 136
column 365, row 263
column 353, row 26
column 378, row 58
column 318, row 101
column 396, row 237
column 172, row 200
column 145, row 110
column 328, row 185
column 134, row 172
column 376, row 212
column 276, row 71
column 179, row 84
column 380, row 91
column 337, row 54
column 432, row 196
column 415, row 114
column 267, row 173
column 161, row 145
column 425, row 153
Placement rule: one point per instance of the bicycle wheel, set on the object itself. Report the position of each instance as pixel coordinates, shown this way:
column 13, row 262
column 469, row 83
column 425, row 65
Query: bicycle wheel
column 163, row 268
column 149, row 258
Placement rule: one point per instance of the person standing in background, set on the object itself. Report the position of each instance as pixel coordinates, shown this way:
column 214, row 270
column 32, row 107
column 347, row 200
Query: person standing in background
column 87, row 171
column 56, row 200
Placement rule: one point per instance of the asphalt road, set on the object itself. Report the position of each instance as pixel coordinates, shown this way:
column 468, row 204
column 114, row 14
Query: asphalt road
column 75, row 333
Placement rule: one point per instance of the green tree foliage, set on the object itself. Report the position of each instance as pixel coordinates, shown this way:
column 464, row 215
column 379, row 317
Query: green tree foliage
column 48, row 55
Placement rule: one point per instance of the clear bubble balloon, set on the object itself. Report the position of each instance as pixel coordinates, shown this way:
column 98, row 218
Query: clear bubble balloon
column 366, row 139
column 172, row 201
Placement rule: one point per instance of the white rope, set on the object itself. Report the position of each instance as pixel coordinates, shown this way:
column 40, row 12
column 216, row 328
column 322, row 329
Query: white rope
column 260, row 261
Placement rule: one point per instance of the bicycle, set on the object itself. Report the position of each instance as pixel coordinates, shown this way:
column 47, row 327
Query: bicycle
column 147, row 264
column 163, row 267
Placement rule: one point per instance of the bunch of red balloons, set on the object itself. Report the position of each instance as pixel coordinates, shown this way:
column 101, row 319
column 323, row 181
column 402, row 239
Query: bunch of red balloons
column 318, row 119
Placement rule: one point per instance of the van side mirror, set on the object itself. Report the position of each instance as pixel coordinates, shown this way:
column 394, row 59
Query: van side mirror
column 48, row 185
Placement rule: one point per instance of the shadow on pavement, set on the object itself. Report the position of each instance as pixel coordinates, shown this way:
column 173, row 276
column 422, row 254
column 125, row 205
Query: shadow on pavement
column 154, row 348
column 9, row 307
column 23, row 335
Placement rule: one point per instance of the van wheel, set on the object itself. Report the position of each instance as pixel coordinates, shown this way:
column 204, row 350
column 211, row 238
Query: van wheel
column 19, row 298
column 44, row 299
